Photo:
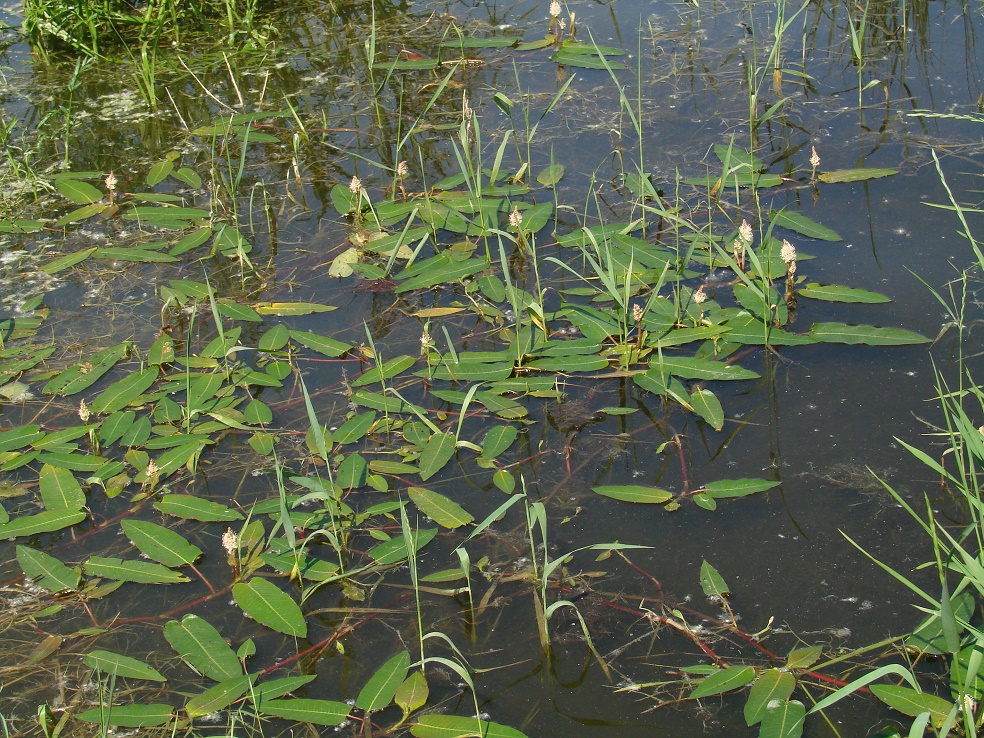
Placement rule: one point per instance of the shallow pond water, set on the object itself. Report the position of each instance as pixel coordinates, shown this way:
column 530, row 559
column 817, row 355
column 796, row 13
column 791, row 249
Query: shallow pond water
column 212, row 311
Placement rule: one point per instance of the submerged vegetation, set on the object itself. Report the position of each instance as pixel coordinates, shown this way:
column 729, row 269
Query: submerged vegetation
column 217, row 426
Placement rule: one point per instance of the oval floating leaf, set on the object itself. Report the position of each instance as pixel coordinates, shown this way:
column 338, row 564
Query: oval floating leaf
column 159, row 171
column 321, row 344
column 218, row 697
column 129, row 716
column 277, row 688
column 771, row 685
column 381, row 687
column 437, row 453
column 317, row 712
column 701, row 369
column 42, row 522
column 837, row 293
column 453, row 726
column 634, row 493
column 195, row 508
column 47, row 571
column 203, row 648
column 551, row 175
column 389, row 369
column 912, row 703
column 801, row 658
column 498, row 440
column 395, row 549
column 784, row 720
column 439, row 508
column 143, row 572
column 268, row 604
column 120, row 394
column 713, row 583
column 855, row 175
column 733, row 677
column 291, row 308
column 706, row 404
column 413, row 693
column 864, row 334
column 737, row 487
column 802, row 224
column 81, row 193
column 59, row 489
column 113, row 663
column 161, row 544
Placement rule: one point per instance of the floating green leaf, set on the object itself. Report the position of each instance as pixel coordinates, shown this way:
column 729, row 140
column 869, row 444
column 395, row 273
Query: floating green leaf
column 855, row 175
column 83, row 213
column 497, row 42
column 277, row 688
column 68, row 261
column 317, row 712
column 143, row 572
column 498, row 440
column 802, row 658
column 634, row 493
column 550, row 175
column 354, row 429
column 706, row 404
column 772, row 684
column 159, row 171
column 733, row 677
column 219, row 697
column 60, row 490
column 737, row 487
column 912, row 703
column 188, row 176
column 395, row 549
column 439, row 508
column 129, row 716
column 440, row 269
column 389, row 369
column 160, row 543
column 802, row 224
column 784, row 720
column 268, row 604
column 701, row 369
column 321, row 344
column 453, row 726
column 46, row 571
column 836, row 293
column 381, row 687
column 84, row 374
column 81, row 193
column 42, row 522
column 713, row 583
column 864, row 334
column 125, row 666
column 437, row 453
column 195, row 508
column 291, row 308
column 120, row 394
column 19, row 437
column 413, row 693
column 203, row 648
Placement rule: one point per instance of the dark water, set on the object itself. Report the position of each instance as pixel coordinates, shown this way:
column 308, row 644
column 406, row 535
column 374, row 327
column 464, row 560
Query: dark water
column 816, row 420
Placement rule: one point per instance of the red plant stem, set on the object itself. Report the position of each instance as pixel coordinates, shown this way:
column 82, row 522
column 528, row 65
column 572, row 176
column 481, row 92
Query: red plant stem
column 176, row 610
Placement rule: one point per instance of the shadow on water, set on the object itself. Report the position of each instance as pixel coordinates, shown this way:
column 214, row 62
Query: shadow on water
column 268, row 351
